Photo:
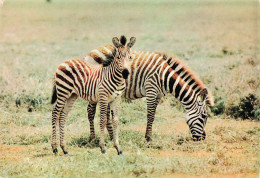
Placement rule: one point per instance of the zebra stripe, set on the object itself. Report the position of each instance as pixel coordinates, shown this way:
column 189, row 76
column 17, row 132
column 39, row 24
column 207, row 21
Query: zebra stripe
column 153, row 75
column 94, row 83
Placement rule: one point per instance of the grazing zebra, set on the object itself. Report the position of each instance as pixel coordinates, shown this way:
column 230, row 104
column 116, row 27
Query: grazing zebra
column 95, row 83
column 153, row 75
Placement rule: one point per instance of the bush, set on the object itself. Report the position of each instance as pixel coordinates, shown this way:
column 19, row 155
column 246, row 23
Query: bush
column 257, row 113
column 248, row 108
column 219, row 106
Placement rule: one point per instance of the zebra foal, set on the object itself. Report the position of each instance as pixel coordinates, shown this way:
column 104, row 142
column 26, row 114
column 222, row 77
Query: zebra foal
column 103, row 84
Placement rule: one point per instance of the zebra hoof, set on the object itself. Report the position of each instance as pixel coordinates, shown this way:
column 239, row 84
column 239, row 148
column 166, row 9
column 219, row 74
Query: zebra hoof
column 103, row 151
column 55, row 151
column 120, row 152
column 64, row 150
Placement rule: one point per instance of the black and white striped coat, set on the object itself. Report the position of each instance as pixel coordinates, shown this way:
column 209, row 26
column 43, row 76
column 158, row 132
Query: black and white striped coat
column 153, row 75
column 103, row 84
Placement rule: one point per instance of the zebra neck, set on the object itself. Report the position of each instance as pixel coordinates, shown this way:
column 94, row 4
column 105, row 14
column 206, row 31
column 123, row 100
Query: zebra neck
column 115, row 72
column 184, row 90
column 191, row 101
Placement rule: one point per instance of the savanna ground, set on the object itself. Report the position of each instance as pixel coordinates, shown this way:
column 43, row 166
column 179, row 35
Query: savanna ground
column 218, row 40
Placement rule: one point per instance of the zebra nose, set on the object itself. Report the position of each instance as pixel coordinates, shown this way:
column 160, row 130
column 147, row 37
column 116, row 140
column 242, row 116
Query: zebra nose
column 203, row 135
column 196, row 138
column 199, row 137
column 125, row 73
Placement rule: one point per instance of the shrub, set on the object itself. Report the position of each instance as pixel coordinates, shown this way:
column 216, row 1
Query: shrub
column 219, row 106
column 257, row 113
column 248, row 108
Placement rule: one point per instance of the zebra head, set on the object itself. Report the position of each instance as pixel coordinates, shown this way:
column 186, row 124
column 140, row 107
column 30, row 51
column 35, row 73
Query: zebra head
column 196, row 116
column 123, row 53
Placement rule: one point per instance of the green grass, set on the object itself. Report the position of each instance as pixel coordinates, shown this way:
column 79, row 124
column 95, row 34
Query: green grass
column 226, row 151
column 217, row 40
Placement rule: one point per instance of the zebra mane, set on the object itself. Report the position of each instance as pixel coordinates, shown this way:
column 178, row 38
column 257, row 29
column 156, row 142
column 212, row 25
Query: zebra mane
column 177, row 65
column 101, row 56
column 163, row 54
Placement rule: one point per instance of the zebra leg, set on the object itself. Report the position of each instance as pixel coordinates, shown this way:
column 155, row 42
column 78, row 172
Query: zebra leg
column 91, row 115
column 62, row 120
column 109, row 124
column 103, row 120
column 55, row 117
column 114, row 113
column 152, row 104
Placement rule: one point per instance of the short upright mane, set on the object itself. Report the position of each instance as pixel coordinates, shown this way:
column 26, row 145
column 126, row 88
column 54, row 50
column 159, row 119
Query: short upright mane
column 180, row 67
column 102, row 56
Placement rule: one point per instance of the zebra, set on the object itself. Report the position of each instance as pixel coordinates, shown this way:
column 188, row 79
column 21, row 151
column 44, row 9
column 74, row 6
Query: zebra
column 103, row 84
column 153, row 75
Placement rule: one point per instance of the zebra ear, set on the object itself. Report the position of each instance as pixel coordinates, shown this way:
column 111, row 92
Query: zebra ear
column 116, row 42
column 204, row 93
column 132, row 42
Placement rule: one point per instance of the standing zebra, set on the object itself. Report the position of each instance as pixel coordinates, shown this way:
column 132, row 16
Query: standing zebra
column 153, row 75
column 95, row 83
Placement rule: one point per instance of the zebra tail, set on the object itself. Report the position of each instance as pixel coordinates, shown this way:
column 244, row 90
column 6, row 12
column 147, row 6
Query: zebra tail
column 54, row 95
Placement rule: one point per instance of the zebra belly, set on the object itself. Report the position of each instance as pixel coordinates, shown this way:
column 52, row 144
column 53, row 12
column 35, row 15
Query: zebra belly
column 135, row 93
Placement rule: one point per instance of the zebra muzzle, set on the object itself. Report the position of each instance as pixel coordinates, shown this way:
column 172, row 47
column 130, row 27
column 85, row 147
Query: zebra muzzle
column 125, row 73
column 199, row 137
column 203, row 135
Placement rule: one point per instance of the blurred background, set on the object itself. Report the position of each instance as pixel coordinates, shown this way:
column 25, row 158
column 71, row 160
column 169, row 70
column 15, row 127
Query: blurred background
column 217, row 40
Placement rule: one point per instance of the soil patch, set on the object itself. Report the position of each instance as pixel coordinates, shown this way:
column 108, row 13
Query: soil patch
column 12, row 152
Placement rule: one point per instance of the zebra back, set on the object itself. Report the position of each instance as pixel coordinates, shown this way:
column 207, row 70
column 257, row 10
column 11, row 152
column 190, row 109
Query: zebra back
column 145, row 64
column 169, row 69
column 188, row 76
column 101, row 56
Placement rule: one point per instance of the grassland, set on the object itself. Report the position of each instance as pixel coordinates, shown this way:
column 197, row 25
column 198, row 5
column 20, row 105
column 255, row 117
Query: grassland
column 218, row 40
